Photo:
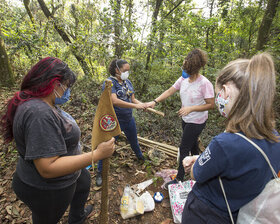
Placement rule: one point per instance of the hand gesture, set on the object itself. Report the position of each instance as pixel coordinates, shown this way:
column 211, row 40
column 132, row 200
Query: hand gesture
column 151, row 104
column 184, row 111
column 105, row 149
column 141, row 106
column 188, row 162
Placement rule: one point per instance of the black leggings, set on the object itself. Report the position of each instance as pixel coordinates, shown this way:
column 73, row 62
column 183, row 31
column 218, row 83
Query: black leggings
column 189, row 144
column 48, row 206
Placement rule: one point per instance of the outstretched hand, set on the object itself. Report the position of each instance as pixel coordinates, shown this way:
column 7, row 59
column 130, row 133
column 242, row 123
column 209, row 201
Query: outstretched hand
column 141, row 106
column 151, row 104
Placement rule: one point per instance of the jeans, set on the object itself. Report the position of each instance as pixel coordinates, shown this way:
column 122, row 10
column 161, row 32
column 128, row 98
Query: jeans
column 129, row 129
column 48, row 206
column 189, row 144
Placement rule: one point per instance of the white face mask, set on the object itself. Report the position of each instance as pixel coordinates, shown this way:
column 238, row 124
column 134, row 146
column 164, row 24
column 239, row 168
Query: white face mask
column 124, row 75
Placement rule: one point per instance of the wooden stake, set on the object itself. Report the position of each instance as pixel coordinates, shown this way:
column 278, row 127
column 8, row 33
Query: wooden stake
column 155, row 111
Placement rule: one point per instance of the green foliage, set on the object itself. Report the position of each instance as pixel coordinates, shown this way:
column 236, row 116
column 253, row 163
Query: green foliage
column 228, row 33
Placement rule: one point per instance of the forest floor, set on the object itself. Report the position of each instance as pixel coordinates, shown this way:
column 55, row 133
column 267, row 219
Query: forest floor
column 124, row 169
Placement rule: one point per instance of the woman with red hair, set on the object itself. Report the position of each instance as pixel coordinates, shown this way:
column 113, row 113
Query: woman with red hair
column 50, row 173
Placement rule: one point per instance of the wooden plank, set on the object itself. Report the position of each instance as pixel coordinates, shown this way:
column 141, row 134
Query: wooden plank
column 175, row 149
column 159, row 147
column 162, row 150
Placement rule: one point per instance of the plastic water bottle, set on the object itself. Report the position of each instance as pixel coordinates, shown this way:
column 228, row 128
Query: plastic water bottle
column 125, row 199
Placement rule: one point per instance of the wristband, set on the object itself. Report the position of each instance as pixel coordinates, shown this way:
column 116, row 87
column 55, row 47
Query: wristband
column 155, row 101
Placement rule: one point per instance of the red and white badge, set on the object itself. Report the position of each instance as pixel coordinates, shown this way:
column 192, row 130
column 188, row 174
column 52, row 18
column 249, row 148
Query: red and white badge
column 108, row 123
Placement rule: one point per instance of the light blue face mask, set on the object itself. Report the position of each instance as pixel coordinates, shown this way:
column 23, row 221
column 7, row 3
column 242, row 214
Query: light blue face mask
column 65, row 97
column 184, row 74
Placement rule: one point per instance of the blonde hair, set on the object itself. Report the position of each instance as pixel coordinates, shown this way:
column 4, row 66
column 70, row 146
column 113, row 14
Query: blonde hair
column 252, row 113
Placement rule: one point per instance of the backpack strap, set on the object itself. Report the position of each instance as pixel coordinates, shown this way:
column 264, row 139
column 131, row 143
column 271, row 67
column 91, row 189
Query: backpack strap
column 261, row 151
column 267, row 160
column 224, row 193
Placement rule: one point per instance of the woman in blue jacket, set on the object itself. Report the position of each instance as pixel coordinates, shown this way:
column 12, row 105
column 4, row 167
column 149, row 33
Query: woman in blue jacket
column 245, row 91
column 124, row 101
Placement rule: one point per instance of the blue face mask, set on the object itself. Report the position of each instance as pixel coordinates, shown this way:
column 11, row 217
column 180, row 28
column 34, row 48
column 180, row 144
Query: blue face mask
column 184, row 74
column 65, row 97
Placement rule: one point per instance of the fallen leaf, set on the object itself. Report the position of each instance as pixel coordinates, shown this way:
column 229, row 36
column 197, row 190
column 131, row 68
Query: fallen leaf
column 166, row 221
column 118, row 170
column 165, row 203
column 96, row 188
column 120, row 190
column 117, row 212
column 97, row 196
column 22, row 212
column 15, row 211
column 120, row 177
column 130, row 171
column 96, row 214
column 9, row 209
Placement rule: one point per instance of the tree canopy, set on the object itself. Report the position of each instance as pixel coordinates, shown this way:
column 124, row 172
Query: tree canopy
column 154, row 36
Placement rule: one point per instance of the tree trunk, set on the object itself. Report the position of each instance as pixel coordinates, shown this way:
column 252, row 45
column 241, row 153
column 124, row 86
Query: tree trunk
column 266, row 23
column 153, row 33
column 130, row 12
column 65, row 37
column 74, row 14
column 210, row 29
column 26, row 5
column 253, row 28
column 117, row 27
column 6, row 74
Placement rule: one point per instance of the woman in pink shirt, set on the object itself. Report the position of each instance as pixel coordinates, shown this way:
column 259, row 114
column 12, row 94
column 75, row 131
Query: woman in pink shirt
column 197, row 97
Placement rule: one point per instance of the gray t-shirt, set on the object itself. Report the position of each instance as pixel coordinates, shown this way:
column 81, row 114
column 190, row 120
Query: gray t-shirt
column 41, row 132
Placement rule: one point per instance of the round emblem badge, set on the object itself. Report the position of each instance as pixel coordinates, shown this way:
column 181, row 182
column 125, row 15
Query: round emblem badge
column 108, row 123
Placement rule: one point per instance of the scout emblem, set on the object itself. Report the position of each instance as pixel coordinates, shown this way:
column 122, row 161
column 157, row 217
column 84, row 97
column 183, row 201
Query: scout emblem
column 108, row 123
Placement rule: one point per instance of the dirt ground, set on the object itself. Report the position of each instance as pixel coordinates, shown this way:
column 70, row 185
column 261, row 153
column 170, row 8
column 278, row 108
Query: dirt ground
column 124, row 169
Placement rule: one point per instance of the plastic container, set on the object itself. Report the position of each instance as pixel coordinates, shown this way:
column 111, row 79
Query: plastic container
column 158, row 197
column 125, row 199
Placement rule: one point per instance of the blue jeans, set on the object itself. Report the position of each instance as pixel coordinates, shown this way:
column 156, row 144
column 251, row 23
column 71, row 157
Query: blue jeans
column 129, row 129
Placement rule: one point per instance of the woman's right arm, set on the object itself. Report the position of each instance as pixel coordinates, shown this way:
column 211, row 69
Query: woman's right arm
column 162, row 96
column 120, row 103
column 62, row 165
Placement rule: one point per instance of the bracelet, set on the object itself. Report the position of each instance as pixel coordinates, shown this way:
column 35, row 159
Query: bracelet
column 155, row 101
